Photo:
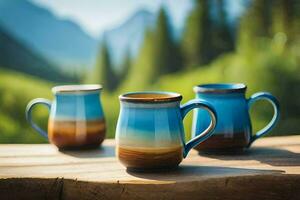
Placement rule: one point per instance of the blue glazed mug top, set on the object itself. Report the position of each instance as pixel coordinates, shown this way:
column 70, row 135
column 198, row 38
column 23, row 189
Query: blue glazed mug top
column 221, row 88
column 234, row 129
column 76, row 117
column 150, row 131
column 150, row 97
column 76, row 88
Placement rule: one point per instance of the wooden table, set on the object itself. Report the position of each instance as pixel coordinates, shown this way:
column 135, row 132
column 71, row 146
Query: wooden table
column 269, row 170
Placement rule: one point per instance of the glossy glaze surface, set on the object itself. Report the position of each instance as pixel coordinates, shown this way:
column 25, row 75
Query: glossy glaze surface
column 233, row 130
column 150, row 131
column 76, row 117
column 149, row 134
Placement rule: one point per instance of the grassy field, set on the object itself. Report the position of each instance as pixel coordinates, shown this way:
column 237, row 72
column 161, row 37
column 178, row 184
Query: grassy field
column 16, row 90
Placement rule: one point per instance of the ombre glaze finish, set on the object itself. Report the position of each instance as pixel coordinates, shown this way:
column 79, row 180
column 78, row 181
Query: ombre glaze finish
column 76, row 119
column 149, row 131
column 150, row 134
column 233, row 130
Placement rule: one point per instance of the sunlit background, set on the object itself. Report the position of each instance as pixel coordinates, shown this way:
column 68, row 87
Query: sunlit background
column 133, row 45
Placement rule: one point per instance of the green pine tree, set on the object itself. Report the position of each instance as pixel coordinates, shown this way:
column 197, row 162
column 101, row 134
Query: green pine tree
column 142, row 72
column 256, row 22
column 126, row 65
column 158, row 55
column 103, row 73
column 286, row 18
column 196, row 44
column 167, row 56
column 222, row 39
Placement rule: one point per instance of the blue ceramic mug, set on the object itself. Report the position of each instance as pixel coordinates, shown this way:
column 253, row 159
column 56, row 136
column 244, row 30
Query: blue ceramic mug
column 76, row 117
column 234, row 130
column 150, row 131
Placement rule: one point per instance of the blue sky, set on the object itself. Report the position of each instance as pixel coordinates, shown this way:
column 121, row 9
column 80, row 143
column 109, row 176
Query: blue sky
column 95, row 16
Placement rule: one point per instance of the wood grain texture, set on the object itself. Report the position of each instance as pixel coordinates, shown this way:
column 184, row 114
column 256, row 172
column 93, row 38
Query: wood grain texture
column 269, row 170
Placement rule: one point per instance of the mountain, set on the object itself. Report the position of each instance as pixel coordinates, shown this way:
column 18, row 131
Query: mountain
column 16, row 56
column 129, row 35
column 61, row 41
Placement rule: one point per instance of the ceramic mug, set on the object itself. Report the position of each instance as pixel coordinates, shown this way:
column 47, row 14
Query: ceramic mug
column 150, row 131
column 76, row 117
column 234, row 130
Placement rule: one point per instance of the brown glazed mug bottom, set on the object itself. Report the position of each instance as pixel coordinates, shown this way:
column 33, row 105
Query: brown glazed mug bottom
column 139, row 160
column 223, row 143
column 69, row 135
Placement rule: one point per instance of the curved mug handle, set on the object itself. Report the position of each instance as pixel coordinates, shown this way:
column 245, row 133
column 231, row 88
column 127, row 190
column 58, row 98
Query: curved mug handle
column 269, row 97
column 196, row 103
column 29, row 108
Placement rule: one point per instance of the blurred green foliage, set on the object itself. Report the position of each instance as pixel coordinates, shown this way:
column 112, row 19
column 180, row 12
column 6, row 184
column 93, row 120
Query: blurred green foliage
column 16, row 90
column 263, row 70
column 104, row 73
column 159, row 55
column 206, row 36
column 263, row 52
column 265, row 55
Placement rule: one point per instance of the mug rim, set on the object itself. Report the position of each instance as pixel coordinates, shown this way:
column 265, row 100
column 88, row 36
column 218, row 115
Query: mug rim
column 165, row 97
column 222, row 88
column 76, row 88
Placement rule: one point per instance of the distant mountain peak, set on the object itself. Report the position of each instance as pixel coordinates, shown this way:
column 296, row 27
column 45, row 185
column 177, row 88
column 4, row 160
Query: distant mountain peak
column 60, row 40
column 128, row 35
column 141, row 14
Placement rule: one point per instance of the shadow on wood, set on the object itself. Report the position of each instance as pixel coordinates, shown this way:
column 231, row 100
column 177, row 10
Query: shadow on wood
column 107, row 151
column 191, row 172
column 267, row 155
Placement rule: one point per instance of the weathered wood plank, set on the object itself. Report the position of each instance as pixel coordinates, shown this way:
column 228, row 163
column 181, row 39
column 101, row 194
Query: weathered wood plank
column 270, row 169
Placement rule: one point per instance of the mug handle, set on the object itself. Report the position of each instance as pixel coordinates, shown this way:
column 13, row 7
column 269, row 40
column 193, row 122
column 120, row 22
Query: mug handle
column 269, row 97
column 197, row 103
column 29, row 108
